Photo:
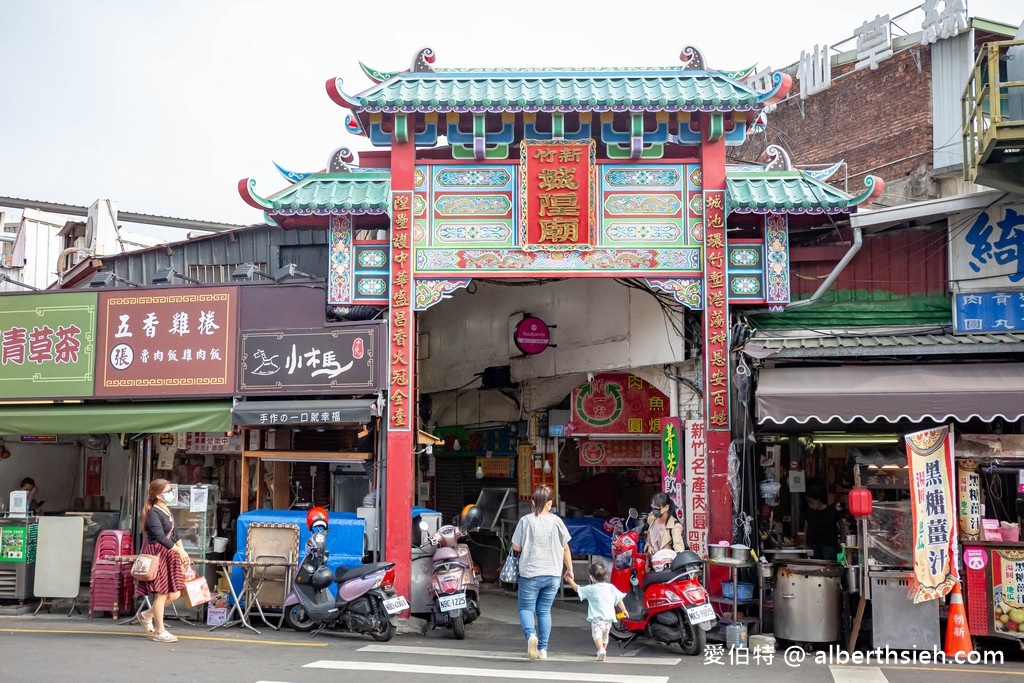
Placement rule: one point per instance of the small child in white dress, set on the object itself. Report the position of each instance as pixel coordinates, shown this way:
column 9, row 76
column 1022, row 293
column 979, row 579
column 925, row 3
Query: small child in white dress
column 602, row 599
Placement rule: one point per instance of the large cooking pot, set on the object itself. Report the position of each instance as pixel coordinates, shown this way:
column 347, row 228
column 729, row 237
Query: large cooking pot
column 807, row 601
column 718, row 552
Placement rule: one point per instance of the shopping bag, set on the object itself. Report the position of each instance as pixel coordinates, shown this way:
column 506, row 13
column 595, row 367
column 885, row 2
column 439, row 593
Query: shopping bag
column 145, row 567
column 510, row 570
column 197, row 591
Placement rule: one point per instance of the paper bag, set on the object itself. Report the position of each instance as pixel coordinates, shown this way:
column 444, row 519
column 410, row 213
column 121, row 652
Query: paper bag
column 197, row 591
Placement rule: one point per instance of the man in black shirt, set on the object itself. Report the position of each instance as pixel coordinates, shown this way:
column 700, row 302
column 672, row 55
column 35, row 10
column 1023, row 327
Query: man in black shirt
column 821, row 527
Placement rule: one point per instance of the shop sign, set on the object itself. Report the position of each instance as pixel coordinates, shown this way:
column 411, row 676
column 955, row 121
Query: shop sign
column 930, row 456
column 984, row 249
column 619, row 453
column 558, row 190
column 212, row 442
column 1008, row 590
column 617, row 404
column 532, row 336
column 988, row 312
column 695, row 471
column 167, row 342
column 968, row 485
column 891, row 479
column 47, row 345
column 671, row 460
column 339, row 360
column 14, row 544
column 975, row 558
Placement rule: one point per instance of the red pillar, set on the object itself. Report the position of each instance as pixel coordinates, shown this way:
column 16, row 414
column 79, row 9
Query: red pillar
column 716, row 329
column 400, row 418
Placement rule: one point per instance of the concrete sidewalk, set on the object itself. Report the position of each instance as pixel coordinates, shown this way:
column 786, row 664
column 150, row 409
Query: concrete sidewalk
column 501, row 606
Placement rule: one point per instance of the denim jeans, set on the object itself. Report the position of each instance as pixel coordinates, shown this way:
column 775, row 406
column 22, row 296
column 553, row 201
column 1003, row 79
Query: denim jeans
column 536, row 595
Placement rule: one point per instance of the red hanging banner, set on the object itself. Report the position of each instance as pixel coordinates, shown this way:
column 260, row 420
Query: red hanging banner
column 930, row 456
column 558, row 190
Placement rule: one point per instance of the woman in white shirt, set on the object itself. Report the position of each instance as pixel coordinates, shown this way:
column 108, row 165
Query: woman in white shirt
column 543, row 543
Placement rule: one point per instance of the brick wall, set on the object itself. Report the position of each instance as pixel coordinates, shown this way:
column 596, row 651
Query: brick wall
column 879, row 122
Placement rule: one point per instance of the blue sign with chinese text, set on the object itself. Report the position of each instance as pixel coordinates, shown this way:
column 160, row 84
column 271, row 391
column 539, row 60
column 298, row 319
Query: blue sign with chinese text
column 988, row 312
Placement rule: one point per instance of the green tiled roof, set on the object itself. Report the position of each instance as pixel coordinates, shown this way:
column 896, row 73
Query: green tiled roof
column 752, row 191
column 327, row 193
column 558, row 90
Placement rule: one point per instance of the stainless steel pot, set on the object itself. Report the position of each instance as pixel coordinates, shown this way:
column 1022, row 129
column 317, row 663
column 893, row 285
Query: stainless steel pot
column 807, row 602
column 738, row 551
column 718, row 552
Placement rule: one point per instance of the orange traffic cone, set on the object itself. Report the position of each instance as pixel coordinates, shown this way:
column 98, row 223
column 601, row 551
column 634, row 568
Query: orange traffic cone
column 958, row 636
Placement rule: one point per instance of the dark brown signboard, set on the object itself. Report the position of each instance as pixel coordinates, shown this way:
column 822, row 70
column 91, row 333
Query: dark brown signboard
column 342, row 359
column 167, row 342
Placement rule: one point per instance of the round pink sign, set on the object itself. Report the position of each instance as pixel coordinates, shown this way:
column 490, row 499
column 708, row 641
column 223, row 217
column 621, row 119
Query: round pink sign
column 532, row 335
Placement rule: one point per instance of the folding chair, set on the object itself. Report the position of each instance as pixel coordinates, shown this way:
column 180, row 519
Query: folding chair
column 269, row 586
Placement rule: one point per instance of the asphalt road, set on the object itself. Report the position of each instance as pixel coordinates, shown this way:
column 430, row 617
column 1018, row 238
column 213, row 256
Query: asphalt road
column 55, row 647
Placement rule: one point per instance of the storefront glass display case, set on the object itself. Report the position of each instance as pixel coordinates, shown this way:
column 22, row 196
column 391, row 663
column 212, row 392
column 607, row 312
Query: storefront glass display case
column 195, row 518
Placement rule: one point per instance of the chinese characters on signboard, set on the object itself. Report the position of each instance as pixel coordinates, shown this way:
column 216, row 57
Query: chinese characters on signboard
column 400, row 409
column 178, row 342
column 671, row 460
column 716, row 315
column 695, row 471
column 617, row 404
column 969, row 495
column 988, row 312
column 945, row 24
column 1007, row 589
column 343, row 359
column 558, row 189
column 47, row 342
column 618, row 453
column 930, row 455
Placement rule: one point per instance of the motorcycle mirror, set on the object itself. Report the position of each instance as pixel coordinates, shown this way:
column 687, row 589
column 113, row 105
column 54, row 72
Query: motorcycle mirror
column 633, row 514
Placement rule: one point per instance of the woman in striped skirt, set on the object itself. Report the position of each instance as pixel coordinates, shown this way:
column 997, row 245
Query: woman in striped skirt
column 162, row 541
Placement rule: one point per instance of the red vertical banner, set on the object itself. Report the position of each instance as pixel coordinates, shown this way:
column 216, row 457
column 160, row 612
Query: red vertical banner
column 400, row 380
column 716, row 314
column 93, row 475
column 930, row 457
column 558, row 195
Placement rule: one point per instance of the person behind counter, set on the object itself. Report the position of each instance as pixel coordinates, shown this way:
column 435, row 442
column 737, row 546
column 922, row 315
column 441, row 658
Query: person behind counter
column 29, row 484
column 663, row 528
column 164, row 543
column 821, row 527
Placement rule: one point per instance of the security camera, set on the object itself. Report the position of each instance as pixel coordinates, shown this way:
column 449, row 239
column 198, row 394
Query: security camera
column 590, row 377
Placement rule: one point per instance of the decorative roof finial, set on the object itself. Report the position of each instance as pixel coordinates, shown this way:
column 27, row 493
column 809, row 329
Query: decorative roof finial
column 340, row 160
column 421, row 63
column 692, row 58
column 776, row 159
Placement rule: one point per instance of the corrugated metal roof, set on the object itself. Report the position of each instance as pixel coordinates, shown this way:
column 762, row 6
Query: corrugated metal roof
column 325, row 193
column 867, row 345
column 790, row 191
column 559, row 90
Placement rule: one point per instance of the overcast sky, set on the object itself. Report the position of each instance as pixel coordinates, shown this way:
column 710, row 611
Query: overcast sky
column 164, row 106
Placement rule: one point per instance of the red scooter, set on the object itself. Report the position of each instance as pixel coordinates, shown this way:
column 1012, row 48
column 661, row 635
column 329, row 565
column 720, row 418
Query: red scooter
column 669, row 606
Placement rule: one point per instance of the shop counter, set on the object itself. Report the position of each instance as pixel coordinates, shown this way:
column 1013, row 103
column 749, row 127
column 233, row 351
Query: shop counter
column 994, row 588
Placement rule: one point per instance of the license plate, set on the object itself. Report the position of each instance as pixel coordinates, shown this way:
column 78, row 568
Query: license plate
column 396, row 605
column 447, row 603
column 698, row 615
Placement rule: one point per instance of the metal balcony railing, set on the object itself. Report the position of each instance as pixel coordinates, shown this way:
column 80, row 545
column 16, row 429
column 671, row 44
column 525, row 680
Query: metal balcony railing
column 993, row 108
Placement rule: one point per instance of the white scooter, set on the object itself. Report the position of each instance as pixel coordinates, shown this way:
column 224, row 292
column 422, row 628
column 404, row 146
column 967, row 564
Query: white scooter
column 445, row 582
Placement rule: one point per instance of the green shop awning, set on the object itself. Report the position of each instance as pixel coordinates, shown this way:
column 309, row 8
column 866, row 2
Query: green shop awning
column 112, row 418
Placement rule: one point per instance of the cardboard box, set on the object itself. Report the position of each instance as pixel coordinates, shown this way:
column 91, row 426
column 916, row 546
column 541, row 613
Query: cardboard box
column 990, row 530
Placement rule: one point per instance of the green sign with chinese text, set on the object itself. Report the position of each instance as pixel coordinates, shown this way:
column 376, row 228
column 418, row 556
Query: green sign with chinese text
column 47, row 345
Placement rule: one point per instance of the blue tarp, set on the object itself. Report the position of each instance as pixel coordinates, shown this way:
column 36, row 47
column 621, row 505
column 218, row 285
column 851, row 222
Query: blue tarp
column 344, row 537
column 588, row 536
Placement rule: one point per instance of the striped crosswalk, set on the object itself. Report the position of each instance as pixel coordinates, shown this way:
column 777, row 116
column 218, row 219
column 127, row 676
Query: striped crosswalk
column 480, row 673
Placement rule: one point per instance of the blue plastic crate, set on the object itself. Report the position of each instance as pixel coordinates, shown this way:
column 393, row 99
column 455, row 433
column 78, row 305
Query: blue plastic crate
column 746, row 590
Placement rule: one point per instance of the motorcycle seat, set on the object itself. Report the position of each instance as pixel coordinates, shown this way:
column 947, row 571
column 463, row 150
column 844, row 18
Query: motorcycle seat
column 651, row 578
column 343, row 574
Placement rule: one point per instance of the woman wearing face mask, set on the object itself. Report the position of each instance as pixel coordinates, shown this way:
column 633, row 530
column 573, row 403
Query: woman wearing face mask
column 162, row 541
column 664, row 531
